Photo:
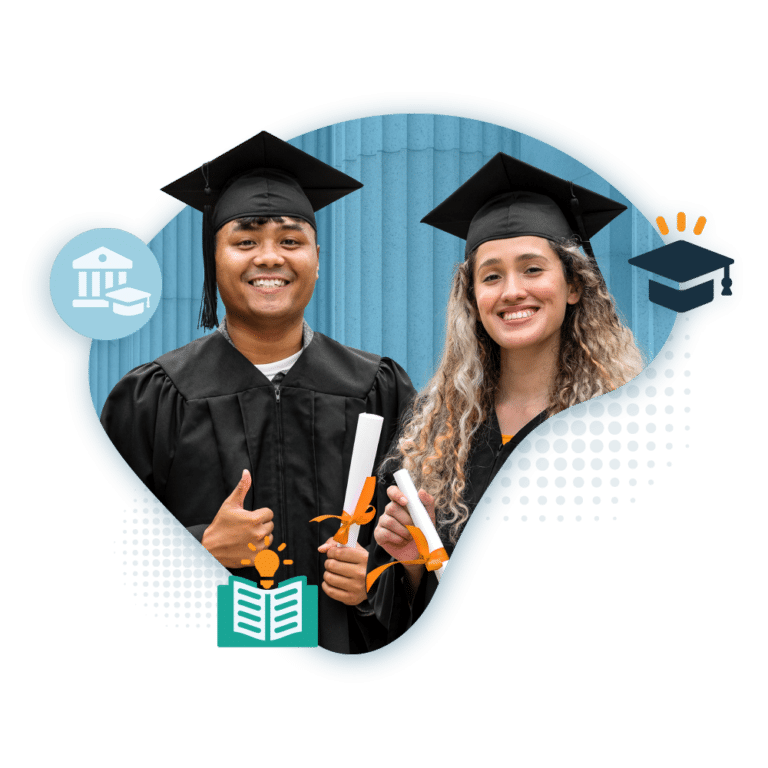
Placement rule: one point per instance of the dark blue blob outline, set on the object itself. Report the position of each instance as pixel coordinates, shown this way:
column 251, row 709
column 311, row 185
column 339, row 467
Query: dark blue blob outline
column 514, row 476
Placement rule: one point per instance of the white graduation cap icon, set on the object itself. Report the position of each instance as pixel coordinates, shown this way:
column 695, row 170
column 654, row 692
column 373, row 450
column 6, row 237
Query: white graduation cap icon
column 128, row 301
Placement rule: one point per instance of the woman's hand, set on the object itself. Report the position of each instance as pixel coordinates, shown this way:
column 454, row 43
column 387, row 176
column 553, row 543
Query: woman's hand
column 394, row 537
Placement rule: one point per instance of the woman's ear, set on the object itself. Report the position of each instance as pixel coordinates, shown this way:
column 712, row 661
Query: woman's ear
column 574, row 293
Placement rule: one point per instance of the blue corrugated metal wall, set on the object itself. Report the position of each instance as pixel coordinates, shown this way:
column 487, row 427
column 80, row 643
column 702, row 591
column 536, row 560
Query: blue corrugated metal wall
column 384, row 277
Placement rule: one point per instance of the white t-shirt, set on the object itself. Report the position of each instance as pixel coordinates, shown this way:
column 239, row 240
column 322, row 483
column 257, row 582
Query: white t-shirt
column 270, row 370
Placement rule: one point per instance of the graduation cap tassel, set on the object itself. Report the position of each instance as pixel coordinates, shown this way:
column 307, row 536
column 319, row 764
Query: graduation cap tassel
column 208, row 317
column 576, row 211
column 726, row 282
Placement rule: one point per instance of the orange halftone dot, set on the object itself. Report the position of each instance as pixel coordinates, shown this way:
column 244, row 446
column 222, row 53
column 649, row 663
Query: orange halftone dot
column 681, row 222
column 662, row 225
column 699, row 226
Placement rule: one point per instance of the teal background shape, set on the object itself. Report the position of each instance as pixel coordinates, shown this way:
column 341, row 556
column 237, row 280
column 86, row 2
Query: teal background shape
column 633, row 644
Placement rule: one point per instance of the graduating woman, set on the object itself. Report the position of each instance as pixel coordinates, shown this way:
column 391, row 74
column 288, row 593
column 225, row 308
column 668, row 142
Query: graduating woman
column 530, row 331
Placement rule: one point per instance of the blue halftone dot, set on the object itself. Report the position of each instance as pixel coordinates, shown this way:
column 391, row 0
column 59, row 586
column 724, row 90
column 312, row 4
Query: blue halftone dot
column 578, row 427
column 650, row 391
column 596, row 446
column 560, row 464
column 542, row 464
column 560, row 446
column 579, row 464
column 578, row 446
column 614, row 409
column 560, row 482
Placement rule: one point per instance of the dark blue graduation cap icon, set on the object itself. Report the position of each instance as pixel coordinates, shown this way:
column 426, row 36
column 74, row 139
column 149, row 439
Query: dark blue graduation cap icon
column 681, row 262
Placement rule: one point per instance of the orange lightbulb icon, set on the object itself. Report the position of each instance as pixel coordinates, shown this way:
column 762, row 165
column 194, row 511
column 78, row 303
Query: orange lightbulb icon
column 266, row 563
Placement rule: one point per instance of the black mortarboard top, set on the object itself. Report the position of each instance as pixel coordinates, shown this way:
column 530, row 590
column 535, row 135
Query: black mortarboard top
column 682, row 262
column 263, row 176
column 509, row 198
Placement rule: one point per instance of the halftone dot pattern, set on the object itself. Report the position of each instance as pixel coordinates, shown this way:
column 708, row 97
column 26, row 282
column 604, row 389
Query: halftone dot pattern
column 604, row 451
column 168, row 571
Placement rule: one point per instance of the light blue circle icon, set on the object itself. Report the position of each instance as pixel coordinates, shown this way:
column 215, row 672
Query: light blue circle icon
column 105, row 283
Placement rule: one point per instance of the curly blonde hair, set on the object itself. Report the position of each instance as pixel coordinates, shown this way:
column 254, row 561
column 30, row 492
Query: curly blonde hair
column 597, row 355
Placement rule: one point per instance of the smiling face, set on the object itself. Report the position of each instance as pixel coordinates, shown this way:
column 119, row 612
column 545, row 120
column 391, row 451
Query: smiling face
column 266, row 273
column 521, row 292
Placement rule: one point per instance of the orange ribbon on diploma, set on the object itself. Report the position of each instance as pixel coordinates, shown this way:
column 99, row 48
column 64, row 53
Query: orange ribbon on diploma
column 433, row 561
column 364, row 512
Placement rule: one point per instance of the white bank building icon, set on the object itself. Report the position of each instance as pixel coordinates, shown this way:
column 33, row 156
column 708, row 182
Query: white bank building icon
column 102, row 275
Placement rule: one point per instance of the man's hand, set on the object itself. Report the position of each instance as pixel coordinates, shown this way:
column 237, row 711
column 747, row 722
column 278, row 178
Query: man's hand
column 344, row 577
column 233, row 528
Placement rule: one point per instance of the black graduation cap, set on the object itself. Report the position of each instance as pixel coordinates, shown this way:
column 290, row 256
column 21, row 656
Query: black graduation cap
column 682, row 262
column 509, row 198
column 263, row 176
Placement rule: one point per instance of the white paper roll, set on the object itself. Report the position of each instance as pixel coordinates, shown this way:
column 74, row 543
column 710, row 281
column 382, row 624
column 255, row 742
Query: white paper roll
column 419, row 514
column 363, row 456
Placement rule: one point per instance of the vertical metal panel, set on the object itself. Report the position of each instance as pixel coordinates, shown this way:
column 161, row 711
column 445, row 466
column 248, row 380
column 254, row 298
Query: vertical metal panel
column 384, row 276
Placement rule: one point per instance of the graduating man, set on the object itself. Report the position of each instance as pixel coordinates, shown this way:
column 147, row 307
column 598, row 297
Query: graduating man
column 248, row 431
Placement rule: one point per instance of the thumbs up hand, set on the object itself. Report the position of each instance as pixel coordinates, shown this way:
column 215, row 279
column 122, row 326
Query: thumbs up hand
column 233, row 528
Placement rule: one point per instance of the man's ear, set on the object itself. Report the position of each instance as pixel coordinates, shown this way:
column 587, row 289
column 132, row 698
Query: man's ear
column 317, row 275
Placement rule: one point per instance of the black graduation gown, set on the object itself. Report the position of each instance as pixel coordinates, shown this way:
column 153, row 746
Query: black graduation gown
column 395, row 605
column 189, row 423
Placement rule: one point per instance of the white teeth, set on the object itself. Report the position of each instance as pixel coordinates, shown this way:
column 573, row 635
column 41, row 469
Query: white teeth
column 271, row 282
column 518, row 315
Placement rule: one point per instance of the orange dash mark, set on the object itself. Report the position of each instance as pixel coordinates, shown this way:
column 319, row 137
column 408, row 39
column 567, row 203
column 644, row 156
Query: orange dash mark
column 245, row 562
column 252, row 547
column 287, row 562
column 662, row 225
column 681, row 222
column 282, row 547
column 699, row 228
column 266, row 541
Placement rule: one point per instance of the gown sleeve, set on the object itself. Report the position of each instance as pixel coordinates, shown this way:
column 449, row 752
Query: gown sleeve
column 142, row 417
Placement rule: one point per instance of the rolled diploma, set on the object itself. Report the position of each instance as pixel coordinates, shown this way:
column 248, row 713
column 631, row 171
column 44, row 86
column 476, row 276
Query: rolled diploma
column 363, row 455
column 419, row 514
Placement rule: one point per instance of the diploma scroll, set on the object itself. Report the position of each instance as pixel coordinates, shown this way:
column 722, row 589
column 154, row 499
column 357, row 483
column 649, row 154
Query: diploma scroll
column 419, row 514
column 361, row 467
